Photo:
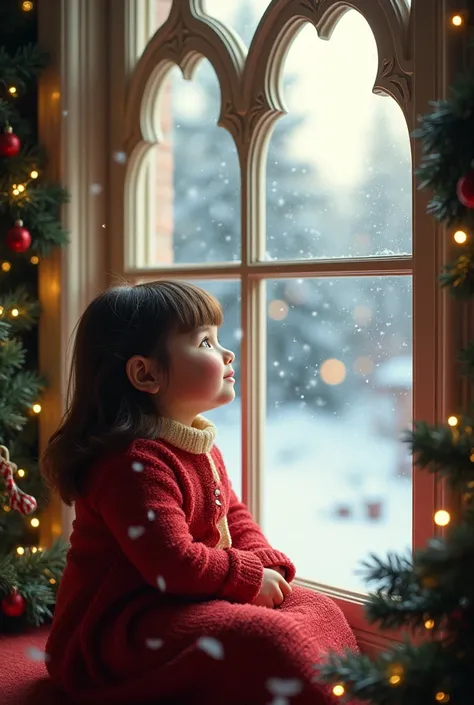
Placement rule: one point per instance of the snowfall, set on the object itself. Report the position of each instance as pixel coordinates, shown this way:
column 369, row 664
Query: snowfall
column 333, row 489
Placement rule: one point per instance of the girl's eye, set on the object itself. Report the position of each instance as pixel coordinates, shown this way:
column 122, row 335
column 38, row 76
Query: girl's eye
column 206, row 343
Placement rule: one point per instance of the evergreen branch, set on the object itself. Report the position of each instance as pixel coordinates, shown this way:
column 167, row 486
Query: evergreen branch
column 28, row 309
column 447, row 135
column 36, row 576
column 17, row 170
column 458, row 276
column 443, row 450
column 407, row 675
column 7, row 575
column 21, row 67
column 12, row 357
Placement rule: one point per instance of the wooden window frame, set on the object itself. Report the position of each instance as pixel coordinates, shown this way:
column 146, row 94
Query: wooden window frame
column 95, row 45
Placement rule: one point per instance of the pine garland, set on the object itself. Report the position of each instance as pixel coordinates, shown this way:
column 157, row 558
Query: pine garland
column 29, row 574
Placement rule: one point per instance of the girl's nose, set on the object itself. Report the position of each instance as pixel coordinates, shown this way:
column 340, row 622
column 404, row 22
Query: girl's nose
column 229, row 356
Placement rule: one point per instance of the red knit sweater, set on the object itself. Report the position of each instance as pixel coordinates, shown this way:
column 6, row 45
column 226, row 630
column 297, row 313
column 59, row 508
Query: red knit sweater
column 163, row 559
column 155, row 514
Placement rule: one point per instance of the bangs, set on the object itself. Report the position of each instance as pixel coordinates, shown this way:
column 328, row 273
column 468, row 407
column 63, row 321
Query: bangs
column 188, row 306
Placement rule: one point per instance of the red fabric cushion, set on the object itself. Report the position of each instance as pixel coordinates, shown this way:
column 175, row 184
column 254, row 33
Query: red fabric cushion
column 23, row 676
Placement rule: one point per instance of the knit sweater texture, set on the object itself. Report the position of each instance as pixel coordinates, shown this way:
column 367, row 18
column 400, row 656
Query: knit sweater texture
column 155, row 604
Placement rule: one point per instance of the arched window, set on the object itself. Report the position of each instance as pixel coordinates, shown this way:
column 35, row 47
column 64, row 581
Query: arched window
column 263, row 149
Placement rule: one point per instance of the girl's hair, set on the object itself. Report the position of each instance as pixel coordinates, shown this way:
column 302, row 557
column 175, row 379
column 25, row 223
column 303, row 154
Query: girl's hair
column 103, row 408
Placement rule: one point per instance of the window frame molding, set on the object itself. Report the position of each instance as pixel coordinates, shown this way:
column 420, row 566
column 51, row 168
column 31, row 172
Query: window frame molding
column 73, row 119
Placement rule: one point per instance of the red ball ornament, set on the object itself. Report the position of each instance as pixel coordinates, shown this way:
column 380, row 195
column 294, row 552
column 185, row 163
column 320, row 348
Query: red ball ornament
column 18, row 238
column 9, row 143
column 13, row 605
column 465, row 189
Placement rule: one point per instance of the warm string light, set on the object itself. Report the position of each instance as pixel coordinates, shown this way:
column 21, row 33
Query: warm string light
column 13, row 91
column 460, row 237
column 34, row 259
column 429, row 624
column 338, row 690
column 6, row 266
column 442, row 697
column 26, row 5
column 36, row 408
column 457, row 20
column 395, row 673
column 453, row 421
column 35, row 523
column 20, row 550
column 21, row 473
column 442, row 517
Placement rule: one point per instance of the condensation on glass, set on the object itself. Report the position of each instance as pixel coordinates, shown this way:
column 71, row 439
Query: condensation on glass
column 339, row 396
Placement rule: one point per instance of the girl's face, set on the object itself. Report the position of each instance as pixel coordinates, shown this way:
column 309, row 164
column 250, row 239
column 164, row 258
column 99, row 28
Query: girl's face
column 201, row 377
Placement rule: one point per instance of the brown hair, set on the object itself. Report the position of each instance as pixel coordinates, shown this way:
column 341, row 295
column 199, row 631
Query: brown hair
column 103, row 408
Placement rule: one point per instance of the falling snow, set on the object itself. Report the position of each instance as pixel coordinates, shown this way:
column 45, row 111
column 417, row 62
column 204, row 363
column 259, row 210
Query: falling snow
column 134, row 532
column 212, row 647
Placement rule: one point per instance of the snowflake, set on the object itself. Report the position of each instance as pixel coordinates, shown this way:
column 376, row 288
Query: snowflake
column 154, row 644
column 137, row 467
column 135, row 532
column 120, row 157
column 36, row 654
column 95, row 189
column 286, row 687
column 160, row 581
column 211, row 647
column 151, row 515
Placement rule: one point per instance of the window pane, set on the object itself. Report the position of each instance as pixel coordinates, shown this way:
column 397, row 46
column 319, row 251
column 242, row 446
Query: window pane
column 190, row 200
column 339, row 394
column 242, row 15
column 228, row 419
column 339, row 178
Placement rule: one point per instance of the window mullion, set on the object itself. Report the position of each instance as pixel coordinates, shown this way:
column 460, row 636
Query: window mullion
column 253, row 324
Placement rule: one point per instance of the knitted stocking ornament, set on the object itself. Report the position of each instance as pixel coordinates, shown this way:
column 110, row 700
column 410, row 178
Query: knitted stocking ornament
column 19, row 500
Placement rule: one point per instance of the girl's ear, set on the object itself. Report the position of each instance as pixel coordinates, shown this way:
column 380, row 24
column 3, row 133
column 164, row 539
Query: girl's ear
column 142, row 373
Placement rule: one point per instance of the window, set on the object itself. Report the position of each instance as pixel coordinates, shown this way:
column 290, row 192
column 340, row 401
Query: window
column 256, row 157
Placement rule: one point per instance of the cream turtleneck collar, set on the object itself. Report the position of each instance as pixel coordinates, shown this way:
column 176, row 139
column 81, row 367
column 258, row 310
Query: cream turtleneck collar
column 197, row 438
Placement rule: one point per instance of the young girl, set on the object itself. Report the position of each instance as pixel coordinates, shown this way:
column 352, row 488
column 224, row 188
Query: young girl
column 171, row 592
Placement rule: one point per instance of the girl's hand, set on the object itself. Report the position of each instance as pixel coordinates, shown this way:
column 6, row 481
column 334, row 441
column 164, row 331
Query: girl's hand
column 274, row 589
column 279, row 569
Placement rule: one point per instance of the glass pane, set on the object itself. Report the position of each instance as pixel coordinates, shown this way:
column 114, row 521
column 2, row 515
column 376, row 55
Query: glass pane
column 243, row 16
column 191, row 195
column 339, row 394
column 228, row 419
column 339, row 176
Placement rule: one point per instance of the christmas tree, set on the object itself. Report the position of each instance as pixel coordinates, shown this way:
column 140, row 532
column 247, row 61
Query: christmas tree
column 432, row 593
column 29, row 229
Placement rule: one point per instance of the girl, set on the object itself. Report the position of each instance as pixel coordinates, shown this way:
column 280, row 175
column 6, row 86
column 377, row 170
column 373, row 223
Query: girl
column 171, row 592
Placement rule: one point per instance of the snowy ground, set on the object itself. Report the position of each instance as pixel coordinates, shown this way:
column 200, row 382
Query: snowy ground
column 321, row 476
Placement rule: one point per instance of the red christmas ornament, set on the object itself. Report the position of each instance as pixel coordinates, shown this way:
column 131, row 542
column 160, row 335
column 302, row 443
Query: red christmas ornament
column 465, row 189
column 13, row 605
column 9, row 143
column 18, row 238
